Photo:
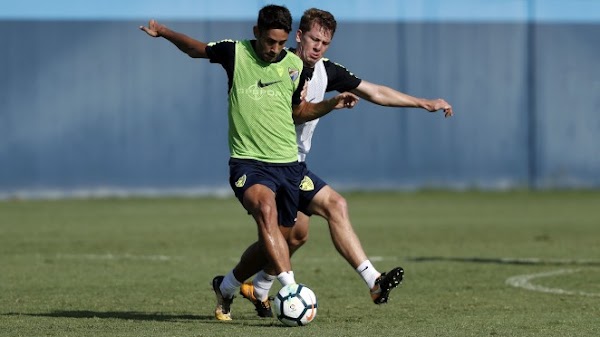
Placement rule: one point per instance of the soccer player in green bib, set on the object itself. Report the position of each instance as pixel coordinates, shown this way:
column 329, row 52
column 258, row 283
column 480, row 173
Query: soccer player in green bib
column 264, row 87
column 314, row 36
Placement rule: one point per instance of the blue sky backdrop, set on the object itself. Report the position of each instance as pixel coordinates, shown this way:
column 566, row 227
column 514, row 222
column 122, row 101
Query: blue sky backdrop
column 347, row 10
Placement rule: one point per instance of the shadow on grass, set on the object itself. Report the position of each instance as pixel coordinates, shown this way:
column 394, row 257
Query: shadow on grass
column 502, row 260
column 146, row 316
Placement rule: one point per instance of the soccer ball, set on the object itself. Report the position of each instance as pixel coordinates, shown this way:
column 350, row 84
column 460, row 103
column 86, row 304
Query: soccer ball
column 295, row 305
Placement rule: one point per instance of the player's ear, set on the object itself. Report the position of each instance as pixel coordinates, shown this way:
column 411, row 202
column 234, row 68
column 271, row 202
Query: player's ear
column 256, row 32
column 298, row 35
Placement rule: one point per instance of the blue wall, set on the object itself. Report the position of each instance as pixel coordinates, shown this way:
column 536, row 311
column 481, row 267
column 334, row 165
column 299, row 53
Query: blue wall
column 97, row 106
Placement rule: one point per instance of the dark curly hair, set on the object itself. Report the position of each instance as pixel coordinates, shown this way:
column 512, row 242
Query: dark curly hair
column 320, row 17
column 274, row 17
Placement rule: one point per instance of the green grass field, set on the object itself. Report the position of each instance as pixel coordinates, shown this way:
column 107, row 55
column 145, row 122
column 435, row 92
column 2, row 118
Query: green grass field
column 142, row 267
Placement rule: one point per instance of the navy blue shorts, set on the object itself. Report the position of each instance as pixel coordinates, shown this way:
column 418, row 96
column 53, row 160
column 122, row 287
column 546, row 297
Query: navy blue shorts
column 283, row 179
column 311, row 185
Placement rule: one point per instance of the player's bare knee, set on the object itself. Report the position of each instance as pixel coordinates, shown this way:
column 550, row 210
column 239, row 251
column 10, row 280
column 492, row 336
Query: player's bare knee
column 299, row 234
column 337, row 207
column 263, row 212
column 297, row 241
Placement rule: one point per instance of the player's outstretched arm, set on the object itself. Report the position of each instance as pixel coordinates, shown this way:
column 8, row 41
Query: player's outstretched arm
column 387, row 96
column 186, row 44
column 307, row 111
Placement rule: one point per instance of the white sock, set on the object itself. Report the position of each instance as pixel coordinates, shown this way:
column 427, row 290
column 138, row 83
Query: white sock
column 262, row 284
column 229, row 285
column 368, row 273
column 286, row 277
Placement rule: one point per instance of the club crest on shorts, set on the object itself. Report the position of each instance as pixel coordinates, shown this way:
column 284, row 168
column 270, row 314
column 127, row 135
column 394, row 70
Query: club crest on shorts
column 241, row 182
column 307, row 184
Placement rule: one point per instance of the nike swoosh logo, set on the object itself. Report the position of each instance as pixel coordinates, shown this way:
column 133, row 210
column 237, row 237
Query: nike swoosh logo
column 266, row 84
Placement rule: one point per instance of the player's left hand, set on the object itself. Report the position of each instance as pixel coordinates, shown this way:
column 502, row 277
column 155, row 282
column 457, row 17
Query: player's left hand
column 440, row 104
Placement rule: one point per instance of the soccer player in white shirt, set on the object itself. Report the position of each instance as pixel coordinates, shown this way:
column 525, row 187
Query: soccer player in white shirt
column 313, row 38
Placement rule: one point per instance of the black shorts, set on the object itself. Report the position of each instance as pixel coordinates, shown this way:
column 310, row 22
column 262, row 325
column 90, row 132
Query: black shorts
column 311, row 185
column 283, row 179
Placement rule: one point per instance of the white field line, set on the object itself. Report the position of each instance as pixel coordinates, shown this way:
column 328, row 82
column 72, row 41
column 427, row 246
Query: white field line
column 110, row 256
column 523, row 281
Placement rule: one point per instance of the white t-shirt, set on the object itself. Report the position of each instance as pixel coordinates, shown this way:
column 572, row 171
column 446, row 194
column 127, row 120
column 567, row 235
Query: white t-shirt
column 315, row 93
